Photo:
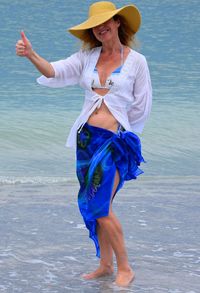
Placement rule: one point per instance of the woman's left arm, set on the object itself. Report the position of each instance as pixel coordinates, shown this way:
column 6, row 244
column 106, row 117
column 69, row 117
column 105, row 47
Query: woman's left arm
column 142, row 97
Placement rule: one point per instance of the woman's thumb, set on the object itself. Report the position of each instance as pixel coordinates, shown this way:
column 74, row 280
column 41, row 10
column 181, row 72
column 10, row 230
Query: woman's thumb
column 24, row 38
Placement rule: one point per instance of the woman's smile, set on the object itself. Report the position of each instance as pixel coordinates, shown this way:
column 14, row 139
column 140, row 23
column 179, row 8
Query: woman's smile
column 101, row 30
column 104, row 31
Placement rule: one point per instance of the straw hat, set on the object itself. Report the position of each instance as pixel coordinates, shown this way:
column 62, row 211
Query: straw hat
column 99, row 12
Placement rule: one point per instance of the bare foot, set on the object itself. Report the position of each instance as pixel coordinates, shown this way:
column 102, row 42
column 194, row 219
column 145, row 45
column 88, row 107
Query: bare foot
column 100, row 272
column 124, row 278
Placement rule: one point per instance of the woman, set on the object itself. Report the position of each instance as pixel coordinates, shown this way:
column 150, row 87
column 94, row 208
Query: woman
column 117, row 103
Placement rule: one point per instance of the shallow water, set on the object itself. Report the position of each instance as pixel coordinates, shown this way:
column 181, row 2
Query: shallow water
column 44, row 245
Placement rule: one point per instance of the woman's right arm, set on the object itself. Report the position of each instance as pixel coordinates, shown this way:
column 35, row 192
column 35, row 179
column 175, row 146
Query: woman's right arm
column 24, row 49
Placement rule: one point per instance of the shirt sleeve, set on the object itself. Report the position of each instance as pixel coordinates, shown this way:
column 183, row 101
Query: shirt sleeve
column 67, row 71
column 142, row 97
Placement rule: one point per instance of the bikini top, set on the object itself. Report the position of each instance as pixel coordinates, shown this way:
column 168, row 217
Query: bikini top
column 96, row 84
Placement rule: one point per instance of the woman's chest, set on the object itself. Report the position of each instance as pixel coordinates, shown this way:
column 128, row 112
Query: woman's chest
column 120, row 81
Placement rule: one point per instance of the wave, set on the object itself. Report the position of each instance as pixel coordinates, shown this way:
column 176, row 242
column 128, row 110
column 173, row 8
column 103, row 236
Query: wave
column 45, row 180
column 35, row 180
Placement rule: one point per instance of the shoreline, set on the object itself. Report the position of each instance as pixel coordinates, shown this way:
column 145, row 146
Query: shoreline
column 45, row 180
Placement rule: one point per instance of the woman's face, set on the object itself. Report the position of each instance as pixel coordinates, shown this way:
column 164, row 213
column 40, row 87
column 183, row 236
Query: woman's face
column 106, row 31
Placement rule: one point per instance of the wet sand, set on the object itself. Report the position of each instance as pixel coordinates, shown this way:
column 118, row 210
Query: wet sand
column 44, row 246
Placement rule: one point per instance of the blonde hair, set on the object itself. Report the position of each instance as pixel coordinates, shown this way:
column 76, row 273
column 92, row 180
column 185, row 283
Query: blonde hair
column 126, row 35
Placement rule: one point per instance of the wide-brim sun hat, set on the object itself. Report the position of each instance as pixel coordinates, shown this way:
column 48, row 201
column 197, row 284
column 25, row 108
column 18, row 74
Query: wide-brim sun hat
column 100, row 12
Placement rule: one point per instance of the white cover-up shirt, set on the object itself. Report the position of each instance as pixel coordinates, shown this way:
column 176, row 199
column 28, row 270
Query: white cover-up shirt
column 129, row 99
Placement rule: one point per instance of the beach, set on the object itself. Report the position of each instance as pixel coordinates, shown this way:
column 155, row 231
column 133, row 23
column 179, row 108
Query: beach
column 44, row 246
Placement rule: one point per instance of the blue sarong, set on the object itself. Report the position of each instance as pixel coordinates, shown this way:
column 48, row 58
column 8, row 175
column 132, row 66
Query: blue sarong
column 100, row 152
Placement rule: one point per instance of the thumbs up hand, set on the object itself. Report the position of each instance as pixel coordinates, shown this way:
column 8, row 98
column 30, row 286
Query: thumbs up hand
column 24, row 47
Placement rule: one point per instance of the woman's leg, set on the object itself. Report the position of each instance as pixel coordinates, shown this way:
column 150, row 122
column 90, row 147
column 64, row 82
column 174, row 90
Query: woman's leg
column 112, row 230
column 106, row 260
column 111, row 238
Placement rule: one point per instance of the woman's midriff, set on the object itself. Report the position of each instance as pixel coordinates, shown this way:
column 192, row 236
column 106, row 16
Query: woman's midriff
column 103, row 118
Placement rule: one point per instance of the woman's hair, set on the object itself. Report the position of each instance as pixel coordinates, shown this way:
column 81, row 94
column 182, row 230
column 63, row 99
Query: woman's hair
column 126, row 35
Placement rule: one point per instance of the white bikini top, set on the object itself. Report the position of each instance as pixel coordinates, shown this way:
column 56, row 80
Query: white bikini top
column 96, row 84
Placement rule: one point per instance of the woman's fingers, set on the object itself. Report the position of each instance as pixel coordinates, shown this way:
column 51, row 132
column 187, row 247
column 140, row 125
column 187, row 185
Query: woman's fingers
column 20, row 43
column 20, row 53
column 20, row 48
column 23, row 46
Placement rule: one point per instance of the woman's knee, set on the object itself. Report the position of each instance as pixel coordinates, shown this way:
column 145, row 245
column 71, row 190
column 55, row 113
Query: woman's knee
column 104, row 220
column 107, row 219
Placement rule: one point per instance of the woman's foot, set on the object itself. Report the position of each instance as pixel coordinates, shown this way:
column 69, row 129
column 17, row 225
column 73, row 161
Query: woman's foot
column 100, row 272
column 124, row 278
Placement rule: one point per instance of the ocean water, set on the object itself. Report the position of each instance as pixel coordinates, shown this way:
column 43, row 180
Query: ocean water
column 35, row 121
column 44, row 246
column 37, row 172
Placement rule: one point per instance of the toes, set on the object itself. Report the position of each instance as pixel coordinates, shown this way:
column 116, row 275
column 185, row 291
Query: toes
column 97, row 274
column 124, row 279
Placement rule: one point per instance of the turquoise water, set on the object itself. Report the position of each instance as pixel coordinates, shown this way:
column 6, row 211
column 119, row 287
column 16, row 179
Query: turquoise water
column 35, row 121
